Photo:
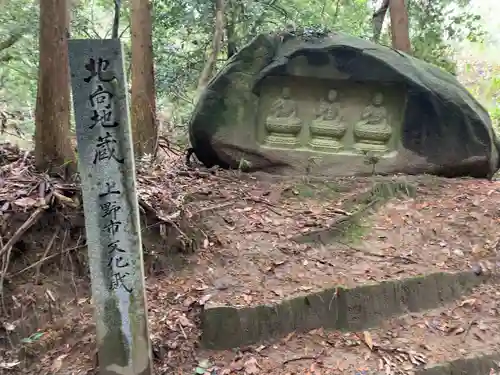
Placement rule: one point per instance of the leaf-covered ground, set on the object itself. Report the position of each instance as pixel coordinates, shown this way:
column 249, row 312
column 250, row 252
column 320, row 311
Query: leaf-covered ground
column 248, row 254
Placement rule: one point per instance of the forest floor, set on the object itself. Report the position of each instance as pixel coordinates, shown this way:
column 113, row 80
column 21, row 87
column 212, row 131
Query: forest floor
column 259, row 239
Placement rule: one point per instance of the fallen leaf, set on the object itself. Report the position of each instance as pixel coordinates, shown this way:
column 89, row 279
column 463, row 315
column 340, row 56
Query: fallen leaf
column 279, row 293
column 25, row 202
column 185, row 322
column 368, row 339
column 57, row 364
column 34, row 337
column 204, row 299
column 9, row 365
column 425, row 346
column 456, row 330
column 236, row 366
column 247, row 298
column 468, row 302
column 289, row 336
column 189, row 301
column 482, row 326
column 275, row 195
column 202, row 367
column 478, row 336
column 9, row 327
column 251, row 366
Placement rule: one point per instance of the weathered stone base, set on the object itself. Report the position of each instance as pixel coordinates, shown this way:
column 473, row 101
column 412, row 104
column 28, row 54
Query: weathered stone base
column 284, row 141
column 336, row 308
column 325, row 144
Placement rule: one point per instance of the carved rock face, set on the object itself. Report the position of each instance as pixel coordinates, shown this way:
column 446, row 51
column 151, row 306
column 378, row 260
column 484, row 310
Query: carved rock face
column 280, row 101
column 378, row 99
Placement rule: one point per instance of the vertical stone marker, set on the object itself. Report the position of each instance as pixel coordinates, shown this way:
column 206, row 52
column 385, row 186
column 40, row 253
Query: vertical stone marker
column 107, row 171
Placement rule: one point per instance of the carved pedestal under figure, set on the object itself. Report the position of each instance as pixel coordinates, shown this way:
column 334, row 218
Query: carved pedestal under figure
column 372, row 132
column 328, row 128
column 282, row 124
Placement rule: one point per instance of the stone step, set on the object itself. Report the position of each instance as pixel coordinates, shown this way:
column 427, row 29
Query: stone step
column 341, row 308
column 259, row 271
column 461, row 337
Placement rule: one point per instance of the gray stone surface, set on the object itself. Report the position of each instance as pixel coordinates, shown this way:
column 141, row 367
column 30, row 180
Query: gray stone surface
column 470, row 365
column 107, row 171
column 340, row 308
column 314, row 103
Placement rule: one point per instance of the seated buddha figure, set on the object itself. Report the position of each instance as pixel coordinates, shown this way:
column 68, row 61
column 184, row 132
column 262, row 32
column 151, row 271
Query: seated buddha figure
column 372, row 132
column 283, row 124
column 328, row 128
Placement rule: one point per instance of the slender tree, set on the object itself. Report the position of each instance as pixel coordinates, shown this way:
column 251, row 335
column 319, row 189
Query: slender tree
column 53, row 151
column 116, row 20
column 399, row 26
column 378, row 20
column 143, row 113
column 217, row 39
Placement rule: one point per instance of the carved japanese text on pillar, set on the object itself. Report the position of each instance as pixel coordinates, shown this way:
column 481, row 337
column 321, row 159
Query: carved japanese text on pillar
column 104, row 124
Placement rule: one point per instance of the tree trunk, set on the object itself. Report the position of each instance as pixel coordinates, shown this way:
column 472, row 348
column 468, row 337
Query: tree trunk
column 53, row 151
column 231, row 43
column 232, row 47
column 209, row 68
column 399, row 26
column 143, row 113
column 116, row 20
column 378, row 20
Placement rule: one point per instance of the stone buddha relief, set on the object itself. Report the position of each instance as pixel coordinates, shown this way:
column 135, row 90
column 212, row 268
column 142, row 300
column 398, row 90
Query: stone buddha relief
column 372, row 132
column 283, row 124
column 328, row 128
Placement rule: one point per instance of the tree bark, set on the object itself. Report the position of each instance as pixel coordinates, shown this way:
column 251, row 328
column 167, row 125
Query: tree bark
column 399, row 26
column 208, row 69
column 230, row 19
column 378, row 20
column 116, row 20
column 143, row 113
column 53, row 151
column 231, row 44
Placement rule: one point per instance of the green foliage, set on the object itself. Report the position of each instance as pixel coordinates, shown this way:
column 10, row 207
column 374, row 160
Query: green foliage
column 434, row 23
column 495, row 117
column 480, row 73
column 18, row 63
column 183, row 29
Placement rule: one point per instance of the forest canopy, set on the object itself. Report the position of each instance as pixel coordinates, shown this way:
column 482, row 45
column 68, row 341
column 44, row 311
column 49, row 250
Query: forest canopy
column 183, row 34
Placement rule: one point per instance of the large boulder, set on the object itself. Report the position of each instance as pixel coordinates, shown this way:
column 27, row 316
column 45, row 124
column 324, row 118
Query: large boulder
column 333, row 104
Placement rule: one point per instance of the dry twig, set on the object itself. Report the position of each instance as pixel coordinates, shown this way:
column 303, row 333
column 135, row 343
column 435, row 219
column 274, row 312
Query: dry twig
column 303, row 358
column 47, row 249
column 7, row 248
column 35, row 216
column 78, row 247
column 378, row 255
